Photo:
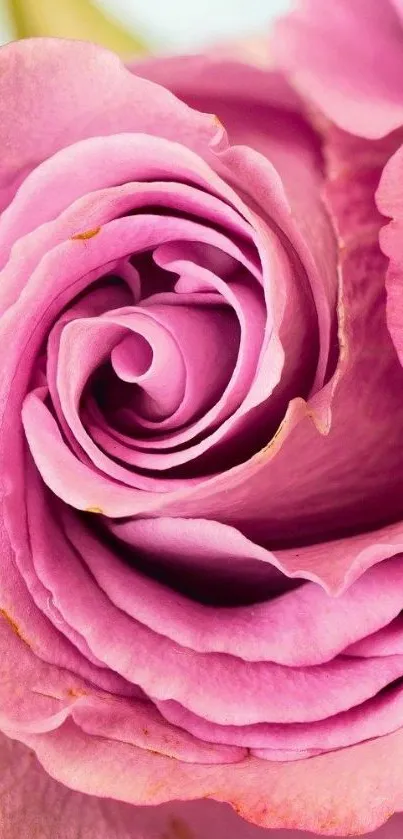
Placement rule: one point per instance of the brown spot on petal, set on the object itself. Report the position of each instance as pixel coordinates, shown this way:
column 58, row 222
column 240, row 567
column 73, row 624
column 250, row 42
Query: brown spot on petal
column 178, row 829
column 97, row 510
column 14, row 626
column 88, row 234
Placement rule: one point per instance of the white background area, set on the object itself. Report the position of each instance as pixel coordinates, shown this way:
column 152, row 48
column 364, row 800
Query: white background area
column 185, row 25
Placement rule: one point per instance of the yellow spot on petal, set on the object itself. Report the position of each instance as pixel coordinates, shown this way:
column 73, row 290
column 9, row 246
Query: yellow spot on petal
column 97, row 510
column 217, row 122
column 88, row 234
column 14, row 626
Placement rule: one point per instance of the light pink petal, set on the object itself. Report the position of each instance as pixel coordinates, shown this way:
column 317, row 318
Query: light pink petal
column 27, row 607
column 347, row 59
column 248, row 790
column 221, row 73
column 348, row 792
column 387, row 641
column 25, row 786
column 398, row 4
column 89, row 93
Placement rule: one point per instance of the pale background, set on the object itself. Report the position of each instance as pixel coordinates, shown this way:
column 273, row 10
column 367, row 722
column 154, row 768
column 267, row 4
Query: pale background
column 181, row 25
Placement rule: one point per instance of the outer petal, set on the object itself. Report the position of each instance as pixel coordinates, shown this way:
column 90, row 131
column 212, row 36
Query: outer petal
column 347, row 58
column 346, row 793
column 34, row 805
column 24, row 787
column 222, row 75
column 89, row 93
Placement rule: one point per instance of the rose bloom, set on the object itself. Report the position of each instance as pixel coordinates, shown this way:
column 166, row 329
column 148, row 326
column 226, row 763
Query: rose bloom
column 202, row 437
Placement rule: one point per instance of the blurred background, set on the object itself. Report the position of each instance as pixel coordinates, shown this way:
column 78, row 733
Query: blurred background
column 140, row 25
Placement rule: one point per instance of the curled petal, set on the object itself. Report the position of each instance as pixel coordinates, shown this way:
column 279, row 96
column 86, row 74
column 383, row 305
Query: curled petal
column 88, row 93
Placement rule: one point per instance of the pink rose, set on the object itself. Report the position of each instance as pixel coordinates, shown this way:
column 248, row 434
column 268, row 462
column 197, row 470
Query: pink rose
column 201, row 447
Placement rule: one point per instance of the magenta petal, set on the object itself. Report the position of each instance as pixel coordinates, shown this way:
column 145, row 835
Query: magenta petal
column 390, row 203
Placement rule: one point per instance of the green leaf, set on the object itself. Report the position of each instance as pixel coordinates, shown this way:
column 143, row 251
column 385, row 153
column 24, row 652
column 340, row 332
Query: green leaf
column 72, row 19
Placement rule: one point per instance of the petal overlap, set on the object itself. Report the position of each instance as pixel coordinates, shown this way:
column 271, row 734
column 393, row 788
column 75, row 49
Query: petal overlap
column 201, row 445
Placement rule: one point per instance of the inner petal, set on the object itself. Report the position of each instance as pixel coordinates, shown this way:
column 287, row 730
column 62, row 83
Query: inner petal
column 132, row 358
column 152, row 395
column 206, row 332
column 170, row 361
column 94, row 340
column 240, row 295
column 207, row 335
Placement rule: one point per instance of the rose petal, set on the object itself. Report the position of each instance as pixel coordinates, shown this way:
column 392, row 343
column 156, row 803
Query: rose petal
column 325, row 794
column 25, row 786
column 390, row 203
column 252, row 633
column 220, row 687
column 291, row 192
column 355, row 166
column 362, row 92
column 376, row 717
column 88, row 93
